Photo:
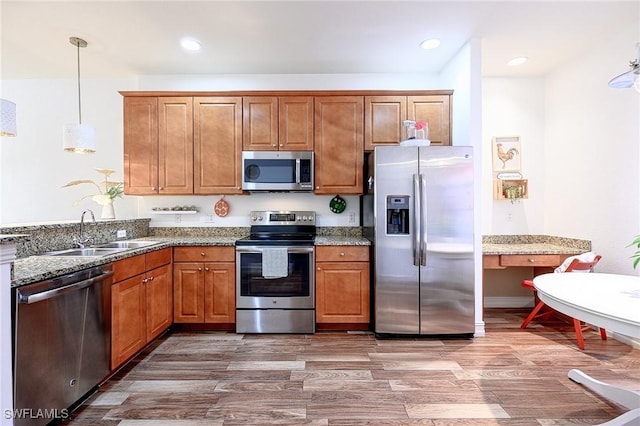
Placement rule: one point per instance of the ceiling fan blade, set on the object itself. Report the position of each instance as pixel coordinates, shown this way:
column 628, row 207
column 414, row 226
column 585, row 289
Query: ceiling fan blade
column 625, row 80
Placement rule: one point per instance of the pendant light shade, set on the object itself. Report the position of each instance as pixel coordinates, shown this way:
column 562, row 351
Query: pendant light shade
column 79, row 138
column 631, row 78
column 7, row 118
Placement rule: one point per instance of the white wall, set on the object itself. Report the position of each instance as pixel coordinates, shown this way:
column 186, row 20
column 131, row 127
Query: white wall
column 34, row 166
column 514, row 106
column 592, row 146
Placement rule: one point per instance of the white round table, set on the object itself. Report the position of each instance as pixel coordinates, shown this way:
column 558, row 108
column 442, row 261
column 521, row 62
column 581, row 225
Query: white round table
column 610, row 301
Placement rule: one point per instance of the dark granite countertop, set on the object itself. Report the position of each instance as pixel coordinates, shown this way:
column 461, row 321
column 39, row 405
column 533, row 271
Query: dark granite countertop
column 42, row 267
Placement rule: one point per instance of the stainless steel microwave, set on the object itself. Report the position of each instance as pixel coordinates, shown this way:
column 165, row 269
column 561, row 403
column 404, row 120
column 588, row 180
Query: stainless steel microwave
column 277, row 170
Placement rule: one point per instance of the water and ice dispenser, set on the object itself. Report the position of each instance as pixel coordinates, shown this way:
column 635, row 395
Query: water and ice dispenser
column 397, row 214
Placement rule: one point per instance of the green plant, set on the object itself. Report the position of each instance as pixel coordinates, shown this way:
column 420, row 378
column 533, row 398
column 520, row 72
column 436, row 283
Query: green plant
column 107, row 190
column 636, row 256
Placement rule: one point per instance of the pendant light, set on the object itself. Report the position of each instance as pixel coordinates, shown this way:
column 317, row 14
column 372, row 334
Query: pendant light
column 79, row 138
column 7, row 118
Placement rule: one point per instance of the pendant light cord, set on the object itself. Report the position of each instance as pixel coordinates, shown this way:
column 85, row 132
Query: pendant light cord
column 79, row 97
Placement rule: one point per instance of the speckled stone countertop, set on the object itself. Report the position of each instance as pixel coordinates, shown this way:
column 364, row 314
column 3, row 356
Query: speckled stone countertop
column 12, row 238
column 532, row 244
column 42, row 267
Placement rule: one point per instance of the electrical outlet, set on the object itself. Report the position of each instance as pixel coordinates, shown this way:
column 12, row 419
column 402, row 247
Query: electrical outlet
column 352, row 217
column 207, row 218
column 509, row 217
column 122, row 233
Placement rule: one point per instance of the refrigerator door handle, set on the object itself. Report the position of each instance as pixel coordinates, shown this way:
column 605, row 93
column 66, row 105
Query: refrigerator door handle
column 423, row 220
column 417, row 224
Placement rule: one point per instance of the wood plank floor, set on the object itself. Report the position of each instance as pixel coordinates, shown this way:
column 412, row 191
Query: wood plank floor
column 509, row 377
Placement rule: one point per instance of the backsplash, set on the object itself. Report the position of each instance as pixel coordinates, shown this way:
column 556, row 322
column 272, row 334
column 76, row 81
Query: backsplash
column 50, row 236
column 45, row 237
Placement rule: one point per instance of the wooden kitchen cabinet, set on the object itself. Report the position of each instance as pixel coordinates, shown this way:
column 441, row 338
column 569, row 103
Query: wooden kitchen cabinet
column 342, row 285
column 436, row 111
column 217, row 145
column 384, row 117
column 339, row 149
column 141, row 302
column 158, row 145
column 204, row 285
column 272, row 123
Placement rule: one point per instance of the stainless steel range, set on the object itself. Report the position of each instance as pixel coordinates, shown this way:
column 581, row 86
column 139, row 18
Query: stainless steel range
column 275, row 280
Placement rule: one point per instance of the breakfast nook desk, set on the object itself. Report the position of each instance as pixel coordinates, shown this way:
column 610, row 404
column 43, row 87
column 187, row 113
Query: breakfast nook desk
column 609, row 301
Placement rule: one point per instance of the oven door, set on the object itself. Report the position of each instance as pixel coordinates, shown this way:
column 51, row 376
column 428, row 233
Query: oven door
column 295, row 291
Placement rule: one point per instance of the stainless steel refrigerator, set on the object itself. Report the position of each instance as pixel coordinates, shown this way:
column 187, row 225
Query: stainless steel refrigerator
column 423, row 240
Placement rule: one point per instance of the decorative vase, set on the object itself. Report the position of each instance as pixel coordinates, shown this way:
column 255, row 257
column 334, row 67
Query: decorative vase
column 108, row 211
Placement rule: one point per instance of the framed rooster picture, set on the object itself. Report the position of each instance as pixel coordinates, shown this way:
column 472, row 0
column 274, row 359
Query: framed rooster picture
column 507, row 154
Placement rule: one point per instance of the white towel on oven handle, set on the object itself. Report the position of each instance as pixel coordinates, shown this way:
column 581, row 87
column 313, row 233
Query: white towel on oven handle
column 275, row 262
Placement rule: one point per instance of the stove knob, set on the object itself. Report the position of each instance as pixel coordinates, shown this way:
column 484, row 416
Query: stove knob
column 259, row 218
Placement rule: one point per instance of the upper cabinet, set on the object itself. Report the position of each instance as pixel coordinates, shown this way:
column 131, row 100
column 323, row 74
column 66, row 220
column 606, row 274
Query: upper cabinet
column 384, row 117
column 339, row 142
column 158, row 148
column 272, row 123
column 192, row 142
column 217, row 145
column 436, row 111
column 177, row 145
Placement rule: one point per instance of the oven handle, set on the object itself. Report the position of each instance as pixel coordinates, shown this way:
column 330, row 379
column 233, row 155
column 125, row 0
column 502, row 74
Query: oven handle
column 260, row 249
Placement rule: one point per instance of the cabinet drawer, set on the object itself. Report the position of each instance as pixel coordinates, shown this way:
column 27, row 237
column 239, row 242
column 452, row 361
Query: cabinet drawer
column 158, row 258
column 531, row 260
column 204, row 253
column 491, row 261
column 127, row 268
column 342, row 253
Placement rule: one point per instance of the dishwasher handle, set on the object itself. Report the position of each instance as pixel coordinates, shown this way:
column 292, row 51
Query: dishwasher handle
column 29, row 298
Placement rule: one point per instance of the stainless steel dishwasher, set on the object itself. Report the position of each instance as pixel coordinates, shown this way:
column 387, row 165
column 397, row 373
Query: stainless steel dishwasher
column 62, row 343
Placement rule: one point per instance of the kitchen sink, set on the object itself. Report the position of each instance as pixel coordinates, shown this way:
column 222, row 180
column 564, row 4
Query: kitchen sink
column 86, row 252
column 127, row 244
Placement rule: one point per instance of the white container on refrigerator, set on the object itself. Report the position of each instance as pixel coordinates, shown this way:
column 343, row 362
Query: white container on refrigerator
column 424, row 261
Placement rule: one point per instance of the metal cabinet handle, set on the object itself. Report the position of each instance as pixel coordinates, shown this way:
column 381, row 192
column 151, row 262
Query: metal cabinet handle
column 531, row 260
column 206, row 269
column 202, row 254
column 199, row 269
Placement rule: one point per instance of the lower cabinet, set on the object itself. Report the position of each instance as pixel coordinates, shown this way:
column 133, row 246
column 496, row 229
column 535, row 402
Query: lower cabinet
column 141, row 303
column 342, row 285
column 204, row 288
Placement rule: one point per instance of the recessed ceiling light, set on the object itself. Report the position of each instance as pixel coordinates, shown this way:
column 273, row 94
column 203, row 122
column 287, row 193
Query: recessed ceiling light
column 431, row 43
column 514, row 62
column 190, row 44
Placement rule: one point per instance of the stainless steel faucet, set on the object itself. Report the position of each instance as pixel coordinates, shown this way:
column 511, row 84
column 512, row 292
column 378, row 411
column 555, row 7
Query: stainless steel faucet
column 81, row 241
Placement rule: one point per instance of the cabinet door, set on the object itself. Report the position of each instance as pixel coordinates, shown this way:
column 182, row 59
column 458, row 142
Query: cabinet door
column 159, row 299
column 140, row 145
column 260, row 123
column 219, row 293
column 128, row 328
column 295, row 122
column 188, row 292
column 338, row 144
column 342, row 292
column 436, row 111
column 175, row 145
column 383, row 120
column 217, row 145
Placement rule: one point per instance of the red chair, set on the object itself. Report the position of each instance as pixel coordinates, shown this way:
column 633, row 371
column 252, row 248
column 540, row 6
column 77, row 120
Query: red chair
column 575, row 265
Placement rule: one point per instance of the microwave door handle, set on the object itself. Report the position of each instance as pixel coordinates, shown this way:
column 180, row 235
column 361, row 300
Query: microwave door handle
column 298, row 171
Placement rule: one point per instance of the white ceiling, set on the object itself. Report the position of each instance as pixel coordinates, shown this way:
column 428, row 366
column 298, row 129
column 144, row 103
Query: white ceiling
column 298, row 37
